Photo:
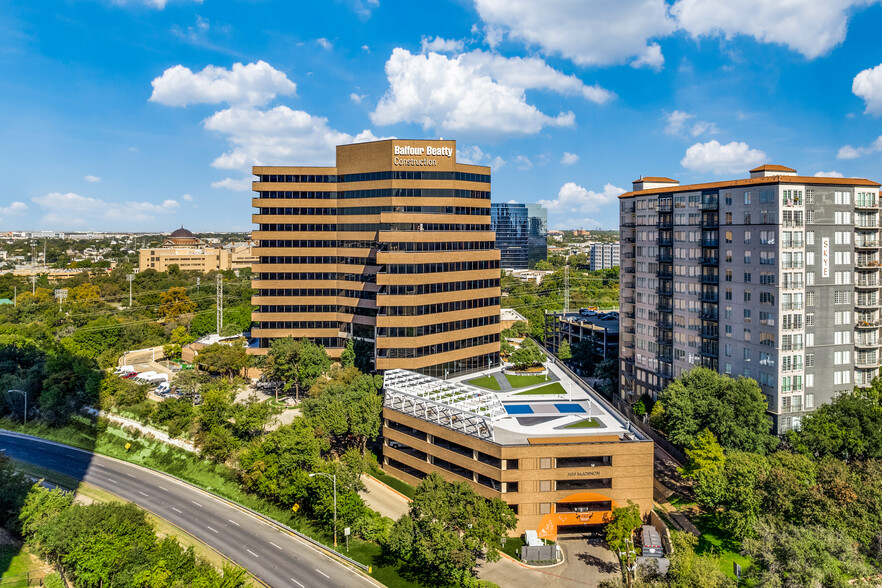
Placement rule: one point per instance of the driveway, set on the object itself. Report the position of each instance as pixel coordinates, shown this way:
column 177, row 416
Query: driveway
column 584, row 565
column 383, row 499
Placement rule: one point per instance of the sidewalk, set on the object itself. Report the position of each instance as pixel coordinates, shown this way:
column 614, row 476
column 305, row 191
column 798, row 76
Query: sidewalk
column 155, row 433
column 383, row 499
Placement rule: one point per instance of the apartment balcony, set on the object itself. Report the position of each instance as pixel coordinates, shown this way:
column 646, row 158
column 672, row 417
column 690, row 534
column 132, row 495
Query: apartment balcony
column 709, row 297
column 710, row 315
column 866, row 223
column 710, row 222
column 867, row 303
column 868, row 282
column 665, row 275
column 710, row 278
column 665, row 224
column 710, row 242
column 629, row 315
column 866, row 342
column 666, row 241
column 665, row 257
column 709, row 333
column 710, row 261
column 665, row 307
column 630, row 269
column 865, row 262
column 866, row 361
column 710, row 350
column 866, row 244
column 629, row 225
column 629, row 239
column 710, row 203
column 867, row 323
column 869, row 203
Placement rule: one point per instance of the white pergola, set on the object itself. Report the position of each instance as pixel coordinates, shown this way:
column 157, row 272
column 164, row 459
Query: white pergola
column 453, row 405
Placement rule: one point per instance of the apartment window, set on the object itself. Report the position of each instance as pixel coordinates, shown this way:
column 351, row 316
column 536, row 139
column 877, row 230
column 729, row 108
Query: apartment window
column 809, row 360
column 746, row 354
column 809, row 340
column 747, row 198
column 810, row 216
column 810, row 319
column 728, row 236
column 728, row 255
column 809, row 278
column 747, row 315
column 747, row 295
column 809, row 298
column 747, row 257
column 747, row 334
column 544, row 485
column 728, row 218
column 810, row 258
column 728, row 330
column 728, row 295
column 544, row 463
column 747, row 237
column 544, row 508
column 841, row 357
column 728, row 312
column 841, row 317
column 809, row 196
column 728, row 369
column 747, row 218
column 809, row 398
column 728, row 349
column 747, row 277
column 728, row 275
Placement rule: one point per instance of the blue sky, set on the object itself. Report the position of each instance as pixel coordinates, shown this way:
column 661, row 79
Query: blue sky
column 138, row 115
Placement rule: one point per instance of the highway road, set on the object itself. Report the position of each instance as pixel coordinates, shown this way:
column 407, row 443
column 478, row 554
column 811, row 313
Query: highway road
column 270, row 554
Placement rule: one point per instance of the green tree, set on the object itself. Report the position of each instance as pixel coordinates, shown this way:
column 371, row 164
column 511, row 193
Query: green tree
column 347, row 358
column 447, row 527
column 296, row 363
column 620, row 535
column 794, row 556
column 346, row 407
column 217, row 444
column 175, row 302
column 14, row 488
column 220, row 358
column 733, row 410
column 527, row 355
column 563, row 351
column 850, row 427
column 706, row 465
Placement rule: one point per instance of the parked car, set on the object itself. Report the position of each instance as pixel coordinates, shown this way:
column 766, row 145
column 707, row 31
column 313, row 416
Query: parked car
column 129, row 375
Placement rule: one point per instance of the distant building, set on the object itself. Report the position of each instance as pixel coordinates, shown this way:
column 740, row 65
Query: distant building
column 521, row 233
column 601, row 329
column 190, row 253
column 509, row 316
column 530, row 275
column 603, row 256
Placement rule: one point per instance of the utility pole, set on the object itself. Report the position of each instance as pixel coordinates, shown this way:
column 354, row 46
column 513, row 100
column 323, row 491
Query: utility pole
column 198, row 280
column 61, row 295
column 130, row 278
column 566, row 289
column 220, row 303
column 34, row 284
column 15, row 298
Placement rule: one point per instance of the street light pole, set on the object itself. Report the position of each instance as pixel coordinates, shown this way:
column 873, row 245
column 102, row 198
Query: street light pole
column 334, row 478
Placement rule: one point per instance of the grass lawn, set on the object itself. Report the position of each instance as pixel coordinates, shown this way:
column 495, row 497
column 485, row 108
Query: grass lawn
column 395, row 483
column 586, row 424
column 524, row 381
column 714, row 540
column 488, row 382
column 554, row 388
column 15, row 561
column 513, row 546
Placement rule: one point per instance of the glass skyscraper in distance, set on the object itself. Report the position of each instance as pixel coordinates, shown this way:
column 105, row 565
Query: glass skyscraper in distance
column 521, row 233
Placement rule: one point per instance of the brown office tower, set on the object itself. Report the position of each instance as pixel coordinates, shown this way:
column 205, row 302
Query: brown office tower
column 392, row 246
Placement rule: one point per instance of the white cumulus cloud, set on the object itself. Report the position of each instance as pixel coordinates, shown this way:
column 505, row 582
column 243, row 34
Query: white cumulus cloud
column 439, row 45
column 157, row 4
column 92, row 179
column 587, row 32
column 71, row 209
column 682, row 124
column 868, row 85
column 718, row 159
column 187, row 197
column 475, row 155
column 828, row 174
column 849, row 152
column 357, row 98
column 808, row 27
column 651, row 58
column 324, row 43
column 253, row 84
column 238, row 185
column 573, row 201
column 475, row 93
column 569, row 158
column 14, row 208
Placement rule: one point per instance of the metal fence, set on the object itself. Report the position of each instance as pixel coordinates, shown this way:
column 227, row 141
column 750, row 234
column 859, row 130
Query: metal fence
column 539, row 553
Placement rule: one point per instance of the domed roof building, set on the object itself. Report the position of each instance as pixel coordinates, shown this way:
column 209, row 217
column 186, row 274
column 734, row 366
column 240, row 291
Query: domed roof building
column 183, row 238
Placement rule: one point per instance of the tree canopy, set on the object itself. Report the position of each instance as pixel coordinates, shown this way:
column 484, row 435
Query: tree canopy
column 733, row 410
column 297, row 363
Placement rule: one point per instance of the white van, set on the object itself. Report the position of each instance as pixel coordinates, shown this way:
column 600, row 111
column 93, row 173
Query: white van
column 124, row 369
column 144, row 376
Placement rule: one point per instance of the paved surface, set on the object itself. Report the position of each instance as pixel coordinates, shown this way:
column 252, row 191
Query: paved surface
column 147, row 430
column 384, row 500
column 584, row 565
column 273, row 556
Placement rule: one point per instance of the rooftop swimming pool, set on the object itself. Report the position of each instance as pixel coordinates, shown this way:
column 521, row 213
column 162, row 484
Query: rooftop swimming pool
column 545, row 408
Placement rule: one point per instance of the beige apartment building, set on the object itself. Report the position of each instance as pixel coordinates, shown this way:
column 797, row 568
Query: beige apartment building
column 391, row 245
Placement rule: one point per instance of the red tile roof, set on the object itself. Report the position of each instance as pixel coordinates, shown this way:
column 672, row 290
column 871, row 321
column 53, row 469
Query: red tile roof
column 656, row 179
column 767, row 167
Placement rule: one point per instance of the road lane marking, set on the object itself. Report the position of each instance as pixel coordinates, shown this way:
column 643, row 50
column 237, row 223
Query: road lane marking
column 112, row 480
column 234, row 522
column 177, row 511
column 130, row 475
column 163, row 488
column 142, row 494
column 298, row 583
column 322, row 573
column 274, row 545
column 252, row 553
column 196, row 503
column 210, row 529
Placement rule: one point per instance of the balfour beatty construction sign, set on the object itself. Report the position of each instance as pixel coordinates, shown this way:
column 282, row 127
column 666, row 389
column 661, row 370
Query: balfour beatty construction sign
column 421, row 153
